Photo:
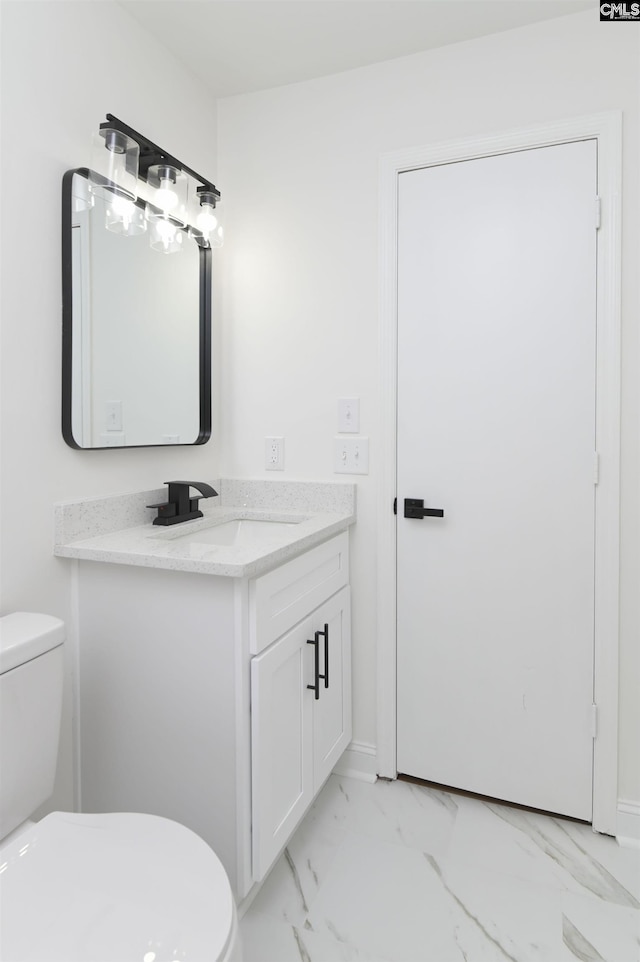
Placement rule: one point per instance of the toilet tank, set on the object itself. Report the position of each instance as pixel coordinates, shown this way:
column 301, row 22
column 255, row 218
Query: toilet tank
column 31, row 675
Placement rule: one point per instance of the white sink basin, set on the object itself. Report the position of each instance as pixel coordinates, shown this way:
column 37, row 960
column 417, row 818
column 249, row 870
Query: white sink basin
column 242, row 532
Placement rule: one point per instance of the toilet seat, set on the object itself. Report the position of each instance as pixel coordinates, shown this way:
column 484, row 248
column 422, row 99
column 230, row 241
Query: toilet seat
column 114, row 888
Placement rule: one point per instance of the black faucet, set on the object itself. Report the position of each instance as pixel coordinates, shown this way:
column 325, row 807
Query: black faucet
column 180, row 507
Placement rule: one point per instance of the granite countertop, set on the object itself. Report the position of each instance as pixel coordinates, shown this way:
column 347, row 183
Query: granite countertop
column 109, row 529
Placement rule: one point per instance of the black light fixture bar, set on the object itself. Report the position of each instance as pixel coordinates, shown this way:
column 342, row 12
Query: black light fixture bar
column 151, row 154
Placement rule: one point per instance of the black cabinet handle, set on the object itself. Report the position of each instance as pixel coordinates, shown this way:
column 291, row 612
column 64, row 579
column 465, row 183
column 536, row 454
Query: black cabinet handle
column 315, row 641
column 316, row 666
column 414, row 508
column 326, row 654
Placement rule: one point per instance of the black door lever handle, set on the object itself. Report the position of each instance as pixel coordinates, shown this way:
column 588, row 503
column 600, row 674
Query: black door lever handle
column 414, row 508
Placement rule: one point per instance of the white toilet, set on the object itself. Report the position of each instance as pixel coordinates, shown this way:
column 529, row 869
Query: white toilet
column 90, row 888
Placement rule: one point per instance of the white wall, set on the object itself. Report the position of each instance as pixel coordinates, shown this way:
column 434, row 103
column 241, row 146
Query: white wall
column 64, row 66
column 300, row 171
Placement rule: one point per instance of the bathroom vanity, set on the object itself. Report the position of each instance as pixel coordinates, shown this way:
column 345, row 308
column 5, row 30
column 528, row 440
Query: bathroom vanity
column 215, row 679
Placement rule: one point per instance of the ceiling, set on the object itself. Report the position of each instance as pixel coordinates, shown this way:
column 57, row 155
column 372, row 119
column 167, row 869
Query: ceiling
column 237, row 46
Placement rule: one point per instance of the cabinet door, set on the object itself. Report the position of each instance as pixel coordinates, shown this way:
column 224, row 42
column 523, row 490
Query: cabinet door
column 332, row 710
column 282, row 742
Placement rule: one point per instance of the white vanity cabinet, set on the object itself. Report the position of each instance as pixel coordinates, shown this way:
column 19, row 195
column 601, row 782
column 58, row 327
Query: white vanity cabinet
column 194, row 703
column 300, row 636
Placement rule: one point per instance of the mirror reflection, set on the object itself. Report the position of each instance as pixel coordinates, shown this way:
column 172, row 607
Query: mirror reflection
column 136, row 331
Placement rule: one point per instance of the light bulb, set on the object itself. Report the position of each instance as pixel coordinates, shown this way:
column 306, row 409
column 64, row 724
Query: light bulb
column 166, row 230
column 206, row 219
column 165, row 236
column 123, row 208
column 166, row 195
column 122, row 216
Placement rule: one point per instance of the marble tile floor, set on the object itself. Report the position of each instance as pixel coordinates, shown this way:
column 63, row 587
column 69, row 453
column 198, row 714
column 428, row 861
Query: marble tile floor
column 397, row 872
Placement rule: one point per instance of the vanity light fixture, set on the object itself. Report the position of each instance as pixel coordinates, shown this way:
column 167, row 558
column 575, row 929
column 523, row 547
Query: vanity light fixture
column 168, row 193
column 167, row 214
column 113, row 177
column 144, row 186
column 207, row 221
column 114, row 164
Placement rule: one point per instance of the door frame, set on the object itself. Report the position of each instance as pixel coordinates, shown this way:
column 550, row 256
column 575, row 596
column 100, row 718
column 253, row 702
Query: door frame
column 606, row 128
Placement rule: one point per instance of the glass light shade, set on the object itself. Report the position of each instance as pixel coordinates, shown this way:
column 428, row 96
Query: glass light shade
column 122, row 216
column 165, row 236
column 81, row 195
column 114, row 159
column 216, row 237
column 206, row 219
column 169, row 193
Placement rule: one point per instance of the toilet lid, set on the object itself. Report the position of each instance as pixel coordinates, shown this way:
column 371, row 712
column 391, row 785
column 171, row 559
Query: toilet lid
column 101, row 888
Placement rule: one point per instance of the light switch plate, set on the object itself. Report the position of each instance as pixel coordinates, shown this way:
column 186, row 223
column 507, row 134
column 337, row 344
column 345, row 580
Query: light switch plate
column 351, row 455
column 349, row 415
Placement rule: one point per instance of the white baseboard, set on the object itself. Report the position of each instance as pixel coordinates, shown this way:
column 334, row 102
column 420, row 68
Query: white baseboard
column 628, row 824
column 358, row 761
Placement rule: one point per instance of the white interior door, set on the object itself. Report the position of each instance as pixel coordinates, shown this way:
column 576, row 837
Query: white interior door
column 496, row 426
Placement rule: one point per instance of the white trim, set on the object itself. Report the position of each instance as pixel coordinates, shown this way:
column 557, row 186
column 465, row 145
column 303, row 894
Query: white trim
column 358, row 761
column 607, row 520
column 628, row 826
column 607, row 129
column 242, row 728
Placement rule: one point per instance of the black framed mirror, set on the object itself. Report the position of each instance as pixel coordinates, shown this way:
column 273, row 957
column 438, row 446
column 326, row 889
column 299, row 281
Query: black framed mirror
column 136, row 332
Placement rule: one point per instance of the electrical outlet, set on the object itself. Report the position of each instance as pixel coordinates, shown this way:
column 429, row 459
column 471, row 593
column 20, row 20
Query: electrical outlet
column 349, row 415
column 351, row 455
column 274, row 454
